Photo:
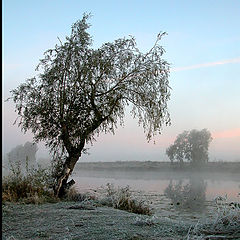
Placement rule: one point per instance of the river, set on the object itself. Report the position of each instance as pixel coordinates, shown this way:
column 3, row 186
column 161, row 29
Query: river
column 171, row 195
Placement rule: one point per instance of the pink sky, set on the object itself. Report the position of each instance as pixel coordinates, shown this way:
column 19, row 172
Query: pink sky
column 230, row 133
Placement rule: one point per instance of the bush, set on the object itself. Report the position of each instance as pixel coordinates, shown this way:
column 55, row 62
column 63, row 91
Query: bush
column 32, row 187
column 121, row 198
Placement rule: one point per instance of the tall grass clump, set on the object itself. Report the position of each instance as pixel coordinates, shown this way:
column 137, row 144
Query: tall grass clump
column 121, row 198
column 33, row 186
column 225, row 224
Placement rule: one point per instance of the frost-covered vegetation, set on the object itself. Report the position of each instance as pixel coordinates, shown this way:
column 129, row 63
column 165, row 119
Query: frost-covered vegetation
column 224, row 225
column 122, row 198
column 117, row 197
column 66, row 220
column 30, row 186
column 94, row 216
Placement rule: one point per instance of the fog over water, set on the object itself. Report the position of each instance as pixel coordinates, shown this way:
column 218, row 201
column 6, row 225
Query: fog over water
column 171, row 194
column 185, row 185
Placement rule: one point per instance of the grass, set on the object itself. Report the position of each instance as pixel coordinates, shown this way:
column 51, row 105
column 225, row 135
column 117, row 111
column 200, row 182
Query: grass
column 62, row 221
column 75, row 196
column 82, row 213
column 32, row 187
column 118, row 198
column 225, row 225
column 35, row 187
column 121, row 198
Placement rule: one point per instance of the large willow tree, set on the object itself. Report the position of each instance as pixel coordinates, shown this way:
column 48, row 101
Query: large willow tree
column 81, row 92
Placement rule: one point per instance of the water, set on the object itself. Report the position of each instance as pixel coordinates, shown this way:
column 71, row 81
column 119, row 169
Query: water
column 179, row 195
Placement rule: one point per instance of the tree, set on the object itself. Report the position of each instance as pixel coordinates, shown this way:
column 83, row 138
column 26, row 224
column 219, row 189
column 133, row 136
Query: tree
column 22, row 156
column 82, row 92
column 192, row 146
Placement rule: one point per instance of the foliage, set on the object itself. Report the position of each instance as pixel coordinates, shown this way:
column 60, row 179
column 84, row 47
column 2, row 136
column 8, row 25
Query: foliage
column 32, row 187
column 81, row 92
column 121, row 198
column 190, row 145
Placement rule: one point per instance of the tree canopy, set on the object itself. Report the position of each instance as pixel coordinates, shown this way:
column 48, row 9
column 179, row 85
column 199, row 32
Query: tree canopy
column 81, row 92
column 191, row 146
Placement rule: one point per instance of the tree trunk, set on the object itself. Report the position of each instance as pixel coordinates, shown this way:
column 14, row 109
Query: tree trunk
column 181, row 163
column 62, row 184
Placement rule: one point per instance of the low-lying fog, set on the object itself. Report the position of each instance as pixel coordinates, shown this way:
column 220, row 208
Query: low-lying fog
column 163, row 184
column 193, row 185
column 171, row 194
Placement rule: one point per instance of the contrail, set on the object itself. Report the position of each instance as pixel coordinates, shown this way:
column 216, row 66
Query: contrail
column 211, row 64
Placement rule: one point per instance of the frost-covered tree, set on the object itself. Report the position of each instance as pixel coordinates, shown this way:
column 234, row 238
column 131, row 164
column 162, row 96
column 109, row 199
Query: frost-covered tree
column 22, row 156
column 178, row 150
column 191, row 146
column 82, row 92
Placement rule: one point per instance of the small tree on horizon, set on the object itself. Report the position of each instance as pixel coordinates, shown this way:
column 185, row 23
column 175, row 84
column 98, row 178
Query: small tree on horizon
column 82, row 92
column 191, row 146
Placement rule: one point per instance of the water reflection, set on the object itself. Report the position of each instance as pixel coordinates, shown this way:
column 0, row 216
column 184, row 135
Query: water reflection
column 190, row 195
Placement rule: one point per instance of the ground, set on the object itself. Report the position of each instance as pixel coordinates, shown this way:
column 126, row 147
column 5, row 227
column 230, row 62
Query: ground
column 69, row 220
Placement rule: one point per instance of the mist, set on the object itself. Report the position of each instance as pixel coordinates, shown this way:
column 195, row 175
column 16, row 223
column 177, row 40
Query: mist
column 22, row 158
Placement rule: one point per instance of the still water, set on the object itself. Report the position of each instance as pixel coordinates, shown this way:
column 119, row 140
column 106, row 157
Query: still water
column 191, row 195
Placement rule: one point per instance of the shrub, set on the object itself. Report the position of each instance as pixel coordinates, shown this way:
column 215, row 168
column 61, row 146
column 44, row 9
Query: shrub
column 121, row 198
column 32, row 187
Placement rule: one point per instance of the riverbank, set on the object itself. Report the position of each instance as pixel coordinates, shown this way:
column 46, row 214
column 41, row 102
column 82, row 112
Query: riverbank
column 218, row 167
column 68, row 220
column 86, row 220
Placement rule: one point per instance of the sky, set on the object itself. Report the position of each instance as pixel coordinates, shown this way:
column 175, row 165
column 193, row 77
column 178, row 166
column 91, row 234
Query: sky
column 202, row 46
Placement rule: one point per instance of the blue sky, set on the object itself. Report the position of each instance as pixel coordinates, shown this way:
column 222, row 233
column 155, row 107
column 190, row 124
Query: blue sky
column 202, row 45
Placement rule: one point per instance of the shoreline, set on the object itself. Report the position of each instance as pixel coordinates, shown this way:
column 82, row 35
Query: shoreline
column 210, row 167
